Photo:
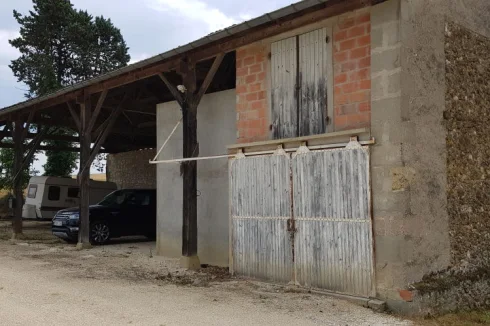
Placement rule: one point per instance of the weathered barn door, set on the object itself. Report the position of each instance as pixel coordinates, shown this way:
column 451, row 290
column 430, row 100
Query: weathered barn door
column 284, row 63
column 261, row 207
column 301, row 70
column 312, row 79
column 327, row 218
column 333, row 240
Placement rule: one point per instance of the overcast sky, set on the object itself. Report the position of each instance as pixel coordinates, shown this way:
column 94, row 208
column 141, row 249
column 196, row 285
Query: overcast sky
column 149, row 27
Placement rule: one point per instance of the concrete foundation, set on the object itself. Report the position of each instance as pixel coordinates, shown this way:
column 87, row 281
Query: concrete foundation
column 82, row 246
column 192, row 263
column 216, row 129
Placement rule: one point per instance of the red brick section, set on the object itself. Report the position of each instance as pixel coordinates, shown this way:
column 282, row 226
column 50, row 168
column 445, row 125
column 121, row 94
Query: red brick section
column 352, row 71
column 406, row 295
column 251, row 90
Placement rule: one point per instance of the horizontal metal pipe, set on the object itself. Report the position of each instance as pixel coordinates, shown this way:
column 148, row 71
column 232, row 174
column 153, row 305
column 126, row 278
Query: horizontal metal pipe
column 179, row 160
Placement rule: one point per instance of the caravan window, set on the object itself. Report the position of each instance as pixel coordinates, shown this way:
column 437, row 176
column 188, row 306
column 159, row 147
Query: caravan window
column 73, row 192
column 54, row 193
column 31, row 192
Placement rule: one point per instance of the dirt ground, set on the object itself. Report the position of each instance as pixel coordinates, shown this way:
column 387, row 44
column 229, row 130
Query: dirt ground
column 44, row 281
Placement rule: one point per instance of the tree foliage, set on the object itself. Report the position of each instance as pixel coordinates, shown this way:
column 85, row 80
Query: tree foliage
column 7, row 168
column 59, row 46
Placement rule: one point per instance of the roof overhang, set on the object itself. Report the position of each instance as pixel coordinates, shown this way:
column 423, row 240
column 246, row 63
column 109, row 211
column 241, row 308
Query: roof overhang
column 270, row 24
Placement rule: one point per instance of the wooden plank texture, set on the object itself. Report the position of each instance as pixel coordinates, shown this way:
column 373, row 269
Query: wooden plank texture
column 284, row 95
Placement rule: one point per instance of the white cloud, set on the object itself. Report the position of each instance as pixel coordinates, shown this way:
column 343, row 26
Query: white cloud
column 195, row 10
column 244, row 16
column 6, row 50
column 138, row 57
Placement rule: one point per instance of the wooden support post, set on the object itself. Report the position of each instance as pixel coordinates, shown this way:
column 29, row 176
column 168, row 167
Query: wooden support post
column 87, row 155
column 189, row 175
column 17, row 181
column 84, row 174
column 189, row 102
column 189, row 169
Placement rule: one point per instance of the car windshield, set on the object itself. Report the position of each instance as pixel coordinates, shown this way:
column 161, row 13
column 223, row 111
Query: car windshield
column 114, row 199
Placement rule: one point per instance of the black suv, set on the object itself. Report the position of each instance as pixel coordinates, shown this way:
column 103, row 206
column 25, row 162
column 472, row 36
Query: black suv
column 122, row 212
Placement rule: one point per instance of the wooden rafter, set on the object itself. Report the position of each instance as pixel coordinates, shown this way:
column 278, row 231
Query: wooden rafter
column 47, row 148
column 74, row 115
column 209, row 78
column 34, row 145
column 173, row 90
column 103, row 135
column 96, row 112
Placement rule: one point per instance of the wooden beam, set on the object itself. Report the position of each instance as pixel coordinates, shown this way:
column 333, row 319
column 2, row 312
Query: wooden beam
column 175, row 92
column 189, row 169
column 96, row 112
column 209, row 78
column 17, row 179
column 46, row 148
column 147, row 124
column 140, row 112
column 74, row 115
column 27, row 125
column 84, row 174
column 32, row 135
column 103, row 136
column 127, row 118
column 34, row 145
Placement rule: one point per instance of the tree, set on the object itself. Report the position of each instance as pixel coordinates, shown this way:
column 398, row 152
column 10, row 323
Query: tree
column 59, row 46
column 7, row 172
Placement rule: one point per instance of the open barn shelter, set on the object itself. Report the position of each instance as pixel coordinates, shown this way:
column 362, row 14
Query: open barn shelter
column 324, row 144
column 114, row 113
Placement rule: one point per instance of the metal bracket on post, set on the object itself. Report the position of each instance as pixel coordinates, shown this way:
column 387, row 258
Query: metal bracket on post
column 353, row 143
column 239, row 154
column 280, row 151
column 303, row 149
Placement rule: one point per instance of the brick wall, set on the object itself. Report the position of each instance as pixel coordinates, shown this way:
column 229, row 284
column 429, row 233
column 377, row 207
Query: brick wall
column 352, row 74
column 352, row 79
column 251, row 89
column 132, row 170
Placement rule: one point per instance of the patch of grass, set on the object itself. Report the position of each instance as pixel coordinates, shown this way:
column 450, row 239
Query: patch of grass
column 470, row 318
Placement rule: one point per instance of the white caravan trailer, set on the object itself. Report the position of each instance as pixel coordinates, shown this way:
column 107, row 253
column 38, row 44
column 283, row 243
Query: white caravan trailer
column 47, row 195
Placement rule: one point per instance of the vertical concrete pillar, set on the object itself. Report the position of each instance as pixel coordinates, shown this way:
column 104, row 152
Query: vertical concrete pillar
column 408, row 160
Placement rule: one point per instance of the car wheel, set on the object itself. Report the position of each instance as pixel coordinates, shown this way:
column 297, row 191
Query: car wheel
column 99, row 233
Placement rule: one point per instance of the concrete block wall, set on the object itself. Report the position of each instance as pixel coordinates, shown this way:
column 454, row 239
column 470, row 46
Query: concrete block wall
column 215, row 130
column 352, row 74
column 390, row 202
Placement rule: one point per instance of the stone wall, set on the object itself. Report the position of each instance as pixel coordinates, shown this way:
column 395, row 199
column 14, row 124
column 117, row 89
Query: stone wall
column 414, row 237
column 132, row 170
column 466, row 284
column 468, row 124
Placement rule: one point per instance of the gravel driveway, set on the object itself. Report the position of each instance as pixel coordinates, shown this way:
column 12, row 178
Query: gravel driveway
column 125, row 284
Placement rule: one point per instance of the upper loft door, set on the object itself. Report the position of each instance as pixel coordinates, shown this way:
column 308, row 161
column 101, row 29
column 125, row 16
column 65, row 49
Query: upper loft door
column 301, row 70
